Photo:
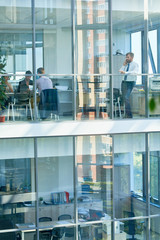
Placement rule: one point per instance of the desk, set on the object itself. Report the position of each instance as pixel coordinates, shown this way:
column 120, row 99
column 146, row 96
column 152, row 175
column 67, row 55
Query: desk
column 31, row 228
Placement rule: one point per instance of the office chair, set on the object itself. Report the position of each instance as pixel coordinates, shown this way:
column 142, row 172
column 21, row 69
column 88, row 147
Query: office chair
column 69, row 231
column 116, row 101
column 44, row 235
column 45, row 219
column 48, row 105
column 130, row 225
column 21, row 102
column 58, row 233
column 7, row 224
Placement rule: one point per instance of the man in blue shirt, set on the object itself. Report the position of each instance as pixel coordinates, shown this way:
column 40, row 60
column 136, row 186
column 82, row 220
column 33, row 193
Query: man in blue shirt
column 129, row 70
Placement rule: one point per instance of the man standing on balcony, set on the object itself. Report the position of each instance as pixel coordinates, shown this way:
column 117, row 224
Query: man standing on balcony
column 129, row 70
column 43, row 82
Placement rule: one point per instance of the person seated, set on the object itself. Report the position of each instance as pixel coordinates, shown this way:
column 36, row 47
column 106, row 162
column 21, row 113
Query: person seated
column 9, row 88
column 23, row 86
column 43, row 82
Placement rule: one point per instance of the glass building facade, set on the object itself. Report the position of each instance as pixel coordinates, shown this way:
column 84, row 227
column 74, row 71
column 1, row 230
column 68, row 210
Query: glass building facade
column 76, row 167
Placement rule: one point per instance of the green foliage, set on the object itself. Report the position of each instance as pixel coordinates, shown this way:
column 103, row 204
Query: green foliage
column 152, row 104
column 3, row 97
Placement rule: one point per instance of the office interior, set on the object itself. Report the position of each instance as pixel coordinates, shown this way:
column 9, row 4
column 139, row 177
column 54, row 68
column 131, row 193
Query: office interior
column 105, row 183
column 80, row 45
column 83, row 187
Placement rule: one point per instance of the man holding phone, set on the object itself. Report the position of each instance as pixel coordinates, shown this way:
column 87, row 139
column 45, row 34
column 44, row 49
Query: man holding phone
column 129, row 70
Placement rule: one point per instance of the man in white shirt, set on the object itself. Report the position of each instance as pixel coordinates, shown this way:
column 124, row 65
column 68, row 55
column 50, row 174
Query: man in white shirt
column 129, row 70
column 43, row 82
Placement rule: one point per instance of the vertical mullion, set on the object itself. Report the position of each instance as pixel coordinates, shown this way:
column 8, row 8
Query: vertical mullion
column 113, row 191
column 34, row 115
column 146, row 57
column 36, row 186
column 34, row 59
column 147, row 184
column 75, row 187
column 73, row 59
column 158, row 50
column 110, row 56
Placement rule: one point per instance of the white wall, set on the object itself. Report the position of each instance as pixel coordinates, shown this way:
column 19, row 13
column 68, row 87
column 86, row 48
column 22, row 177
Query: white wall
column 64, row 52
column 121, row 40
column 16, row 148
column 57, row 51
column 50, row 51
column 55, row 175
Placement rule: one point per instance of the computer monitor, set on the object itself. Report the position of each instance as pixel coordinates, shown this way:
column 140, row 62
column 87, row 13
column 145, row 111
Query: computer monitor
column 95, row 214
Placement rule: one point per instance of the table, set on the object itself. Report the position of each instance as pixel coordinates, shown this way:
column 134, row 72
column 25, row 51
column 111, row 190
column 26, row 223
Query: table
column 31, row 227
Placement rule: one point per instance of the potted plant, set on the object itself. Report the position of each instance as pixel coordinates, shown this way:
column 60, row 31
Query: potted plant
column 3, row 96
column 3, row 99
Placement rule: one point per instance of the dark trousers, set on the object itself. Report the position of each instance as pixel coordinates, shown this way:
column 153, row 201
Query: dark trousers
column 127, row 88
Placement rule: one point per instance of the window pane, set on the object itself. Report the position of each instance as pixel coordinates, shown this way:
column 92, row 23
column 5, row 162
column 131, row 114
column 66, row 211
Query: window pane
column 16, row 36
column 130, row 172
column 153, row 34
column 128, row 21
column 134, row 229
column 17, row 184
column 94, row 159
column 154, row 230
column 53, row 22
column 92, row 37
column 55, row 178
column 154, row 171
column 136, row 41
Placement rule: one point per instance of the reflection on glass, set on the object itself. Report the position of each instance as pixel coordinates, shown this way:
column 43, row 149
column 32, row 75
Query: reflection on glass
column 16, row 36
column 153, row 55
column 94, row 159
column 131, row 229
column 55, row 176
column 92, row 231
column 93, row 97
column 154, row 229
column 53, row 18
column 92, row 37
column 154, row 94
column 127, row 38
column 17, row 185
column 130, row 169
column 92, row 50
column 154, row 172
